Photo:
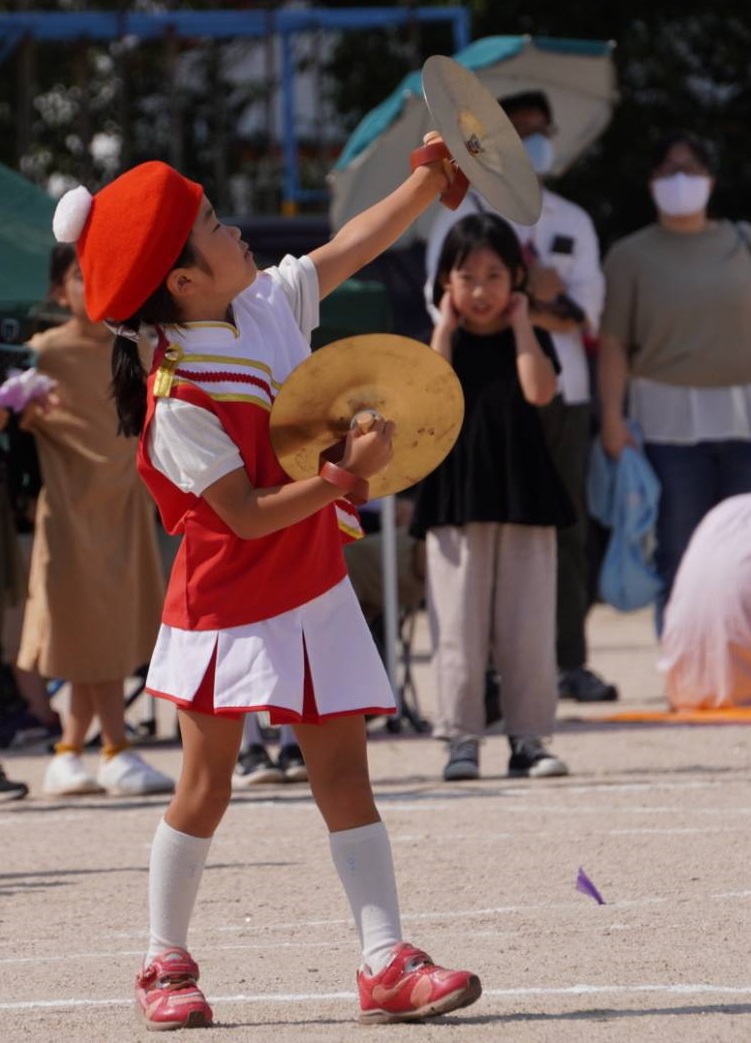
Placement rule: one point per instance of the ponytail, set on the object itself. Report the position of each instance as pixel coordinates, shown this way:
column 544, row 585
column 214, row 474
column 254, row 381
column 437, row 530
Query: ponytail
column 128, row 375
column 128, row 385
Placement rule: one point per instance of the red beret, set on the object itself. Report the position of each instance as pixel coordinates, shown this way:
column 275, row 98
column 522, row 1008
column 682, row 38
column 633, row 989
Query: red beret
column 128, row 236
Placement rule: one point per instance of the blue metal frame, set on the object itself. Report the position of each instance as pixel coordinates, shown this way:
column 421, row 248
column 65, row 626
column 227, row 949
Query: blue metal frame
column 105, row 25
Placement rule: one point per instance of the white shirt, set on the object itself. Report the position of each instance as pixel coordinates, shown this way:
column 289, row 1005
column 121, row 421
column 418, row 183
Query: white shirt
column 561, row 223
column 188, row 444
column 686, row 415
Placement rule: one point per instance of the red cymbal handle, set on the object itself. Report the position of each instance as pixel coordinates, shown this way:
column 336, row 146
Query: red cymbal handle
column 356, row 489
column 457, row 190
column 432, row 153
column 420, row 157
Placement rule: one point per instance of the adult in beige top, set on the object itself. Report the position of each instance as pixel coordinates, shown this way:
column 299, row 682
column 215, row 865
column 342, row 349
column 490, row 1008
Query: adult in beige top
column 676, row 338
column 96, row 584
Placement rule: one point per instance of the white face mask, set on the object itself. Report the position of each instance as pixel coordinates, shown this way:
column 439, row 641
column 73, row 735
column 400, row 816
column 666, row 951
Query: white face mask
column 681, row 194
column 541, row 152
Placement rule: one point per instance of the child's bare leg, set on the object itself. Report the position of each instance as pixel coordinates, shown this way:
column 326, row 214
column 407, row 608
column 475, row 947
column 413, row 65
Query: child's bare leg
column 33, row 688
column 183, row 837
column 210, row 748
column 336, row 758
column 79, row 717
column 108, row 700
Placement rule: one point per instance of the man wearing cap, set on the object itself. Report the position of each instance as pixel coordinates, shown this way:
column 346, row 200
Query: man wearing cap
column 566, row 289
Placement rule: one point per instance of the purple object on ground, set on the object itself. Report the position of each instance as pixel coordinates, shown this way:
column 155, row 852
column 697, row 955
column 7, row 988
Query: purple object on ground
column 585, row 885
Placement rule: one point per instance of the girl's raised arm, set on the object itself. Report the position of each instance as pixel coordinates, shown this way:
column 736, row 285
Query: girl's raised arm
column 366, row 236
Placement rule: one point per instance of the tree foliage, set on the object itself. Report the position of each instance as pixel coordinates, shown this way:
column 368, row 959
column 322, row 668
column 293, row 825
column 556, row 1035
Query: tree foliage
column 679, row 64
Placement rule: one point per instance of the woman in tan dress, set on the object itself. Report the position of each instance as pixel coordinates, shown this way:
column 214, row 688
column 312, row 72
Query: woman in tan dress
column 96, row 584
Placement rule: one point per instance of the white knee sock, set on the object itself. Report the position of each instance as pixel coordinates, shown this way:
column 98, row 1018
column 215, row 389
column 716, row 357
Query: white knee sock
column 175, row 869
column 363, row 861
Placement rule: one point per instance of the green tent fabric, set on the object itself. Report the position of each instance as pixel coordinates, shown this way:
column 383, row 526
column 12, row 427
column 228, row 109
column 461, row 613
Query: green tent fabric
column 357, row 306
column 25, row 242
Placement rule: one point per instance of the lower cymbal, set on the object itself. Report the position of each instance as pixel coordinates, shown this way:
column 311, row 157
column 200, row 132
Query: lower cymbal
column 401, row 379
column 481, row 139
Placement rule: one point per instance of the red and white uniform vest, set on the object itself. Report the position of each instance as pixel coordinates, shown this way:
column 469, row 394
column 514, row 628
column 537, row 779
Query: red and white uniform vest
column 241, row 601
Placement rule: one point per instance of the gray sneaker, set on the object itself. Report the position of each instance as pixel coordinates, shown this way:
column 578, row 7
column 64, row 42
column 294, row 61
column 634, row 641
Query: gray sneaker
column 463, row 762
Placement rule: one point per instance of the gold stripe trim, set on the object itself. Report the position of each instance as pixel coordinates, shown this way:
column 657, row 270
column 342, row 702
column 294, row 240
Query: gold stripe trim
column 227, row 396
column 231, row 360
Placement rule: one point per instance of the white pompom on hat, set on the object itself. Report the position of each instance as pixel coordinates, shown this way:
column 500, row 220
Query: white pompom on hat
column 128, row 235
column 71, row 214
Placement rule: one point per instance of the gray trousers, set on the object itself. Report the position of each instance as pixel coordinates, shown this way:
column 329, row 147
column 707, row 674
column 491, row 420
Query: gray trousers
column 491, row 588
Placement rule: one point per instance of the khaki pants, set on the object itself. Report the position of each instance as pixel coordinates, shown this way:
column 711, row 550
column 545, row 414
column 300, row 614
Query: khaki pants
column 491, row 588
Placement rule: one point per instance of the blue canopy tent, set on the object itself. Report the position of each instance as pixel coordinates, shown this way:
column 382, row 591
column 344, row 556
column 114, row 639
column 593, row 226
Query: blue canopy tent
column 577, row 75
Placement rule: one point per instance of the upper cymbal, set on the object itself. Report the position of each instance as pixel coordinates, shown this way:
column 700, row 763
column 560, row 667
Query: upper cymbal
column 402, row 379
column 481, row 139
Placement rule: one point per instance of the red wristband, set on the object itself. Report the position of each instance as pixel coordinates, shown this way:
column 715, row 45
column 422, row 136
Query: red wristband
column 357, row 490
column 433, row 152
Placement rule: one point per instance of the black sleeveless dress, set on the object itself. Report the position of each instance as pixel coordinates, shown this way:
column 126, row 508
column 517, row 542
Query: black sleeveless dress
column 499, row 470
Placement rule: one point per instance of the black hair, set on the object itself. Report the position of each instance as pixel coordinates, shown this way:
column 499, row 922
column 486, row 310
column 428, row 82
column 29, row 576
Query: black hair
column 128, row 375
column 701, row 150
column 476, row 232
column 62, row 257
column 512, row 103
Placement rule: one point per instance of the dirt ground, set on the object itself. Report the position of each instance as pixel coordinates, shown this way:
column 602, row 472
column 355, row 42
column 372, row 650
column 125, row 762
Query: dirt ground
column 658, row 815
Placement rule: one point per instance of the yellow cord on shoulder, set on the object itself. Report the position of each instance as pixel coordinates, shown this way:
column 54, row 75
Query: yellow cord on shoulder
column 165, row 375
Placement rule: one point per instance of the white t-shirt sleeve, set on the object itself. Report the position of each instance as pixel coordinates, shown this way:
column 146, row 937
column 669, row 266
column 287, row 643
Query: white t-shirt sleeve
column 298, row 277
column 189, row 446
column 586, row 283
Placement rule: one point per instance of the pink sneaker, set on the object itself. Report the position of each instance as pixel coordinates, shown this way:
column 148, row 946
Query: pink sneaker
column 411, row 987
column 167, row 994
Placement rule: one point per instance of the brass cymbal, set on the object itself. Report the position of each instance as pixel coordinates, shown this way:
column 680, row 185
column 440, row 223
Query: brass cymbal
column 402, row 379
column 481, row 139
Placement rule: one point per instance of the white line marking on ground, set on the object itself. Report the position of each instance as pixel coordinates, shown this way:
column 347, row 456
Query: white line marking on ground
column 702, row 989
column 205, row 930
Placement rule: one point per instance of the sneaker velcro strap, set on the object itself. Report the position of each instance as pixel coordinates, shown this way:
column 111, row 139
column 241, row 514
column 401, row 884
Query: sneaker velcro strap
column 414, row 958
column 179, row 970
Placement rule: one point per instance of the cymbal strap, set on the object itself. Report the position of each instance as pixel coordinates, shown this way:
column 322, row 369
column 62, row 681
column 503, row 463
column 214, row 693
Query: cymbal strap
column 432, row 153
column 356, row 489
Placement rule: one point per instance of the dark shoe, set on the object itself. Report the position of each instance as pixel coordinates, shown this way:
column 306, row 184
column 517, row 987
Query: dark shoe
column 531, row 760
column 254, row 766
column 29, row 730
column 290, row 762
column 584, row 686
column 11, row 790
column 463, row 762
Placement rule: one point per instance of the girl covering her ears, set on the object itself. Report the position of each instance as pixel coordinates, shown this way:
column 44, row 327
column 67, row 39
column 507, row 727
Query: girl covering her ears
column 490, row 510
column 96, row 582
column 259, row 612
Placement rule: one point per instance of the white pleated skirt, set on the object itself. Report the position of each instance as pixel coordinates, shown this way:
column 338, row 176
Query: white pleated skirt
column 262, row 666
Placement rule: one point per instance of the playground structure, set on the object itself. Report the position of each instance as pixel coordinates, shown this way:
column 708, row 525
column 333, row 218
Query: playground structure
column 23, row 31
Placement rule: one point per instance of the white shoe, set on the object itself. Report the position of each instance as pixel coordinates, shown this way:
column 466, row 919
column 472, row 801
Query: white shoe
column 66, row 776
column 126, row 775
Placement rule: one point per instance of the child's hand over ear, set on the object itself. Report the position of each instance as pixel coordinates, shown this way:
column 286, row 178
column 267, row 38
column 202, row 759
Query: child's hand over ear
column 449, row 316
column 518, row 308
